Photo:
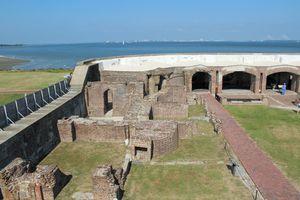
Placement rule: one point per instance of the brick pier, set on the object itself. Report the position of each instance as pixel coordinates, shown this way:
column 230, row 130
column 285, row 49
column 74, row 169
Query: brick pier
column 270, row 181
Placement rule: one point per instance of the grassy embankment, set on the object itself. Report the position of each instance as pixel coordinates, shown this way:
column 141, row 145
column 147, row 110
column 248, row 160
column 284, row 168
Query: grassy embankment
column 211, row 180
column 80, row 159
column 277, row 132
column 14, row 84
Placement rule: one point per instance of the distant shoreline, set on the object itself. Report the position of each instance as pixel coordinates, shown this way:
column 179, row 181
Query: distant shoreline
column 7, row 63
column 11, row 45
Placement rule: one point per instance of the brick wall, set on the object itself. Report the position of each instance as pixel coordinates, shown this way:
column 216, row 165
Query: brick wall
column 170, row 111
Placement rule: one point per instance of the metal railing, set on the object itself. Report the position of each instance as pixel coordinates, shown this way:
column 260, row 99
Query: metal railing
column 20, row 108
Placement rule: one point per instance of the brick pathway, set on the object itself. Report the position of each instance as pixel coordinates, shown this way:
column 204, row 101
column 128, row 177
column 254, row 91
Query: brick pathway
column 272, row 184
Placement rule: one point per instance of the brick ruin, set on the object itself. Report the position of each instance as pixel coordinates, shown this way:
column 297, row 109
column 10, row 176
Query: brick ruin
column 147, row 110
column 108, row 183
column 19, row 181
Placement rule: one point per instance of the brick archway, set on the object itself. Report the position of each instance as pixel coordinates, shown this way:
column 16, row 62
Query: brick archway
column 279, row 75
column 292, row 70
column 188, row 78
column 239, row 80
column 201, row 80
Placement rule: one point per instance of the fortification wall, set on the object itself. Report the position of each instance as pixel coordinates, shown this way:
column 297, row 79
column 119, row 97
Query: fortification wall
column 33, row 138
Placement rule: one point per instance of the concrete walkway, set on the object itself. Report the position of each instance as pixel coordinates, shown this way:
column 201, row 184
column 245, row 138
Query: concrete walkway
column 272, row 184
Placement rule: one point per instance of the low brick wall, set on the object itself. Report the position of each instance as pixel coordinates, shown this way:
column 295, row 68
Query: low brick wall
column 92, row 130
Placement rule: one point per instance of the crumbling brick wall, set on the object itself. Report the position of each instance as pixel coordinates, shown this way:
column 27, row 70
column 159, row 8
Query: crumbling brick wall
column 19, row 183
column 156, row 137
column 107, row 183
column 122, row 93
column 83, row 129
column 170, row 111
column 173, row 94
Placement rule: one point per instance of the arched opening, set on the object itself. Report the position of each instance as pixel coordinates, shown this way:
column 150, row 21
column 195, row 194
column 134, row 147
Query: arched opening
column 201, row 81
column 238, row 80
column 160, row 83
column 108, row 101
column 277, row 80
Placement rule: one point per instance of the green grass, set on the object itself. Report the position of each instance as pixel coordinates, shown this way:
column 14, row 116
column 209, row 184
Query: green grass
column 277, row 132
column 6, row 98
column 183, row 182
column 80, row 159
column 196, row 111
column 199, row 147
column 27, row 80
column 207, row 181
column 30, row 80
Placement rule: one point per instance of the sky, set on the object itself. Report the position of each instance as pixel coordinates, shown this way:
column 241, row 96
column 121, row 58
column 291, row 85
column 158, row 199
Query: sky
column 80, row 21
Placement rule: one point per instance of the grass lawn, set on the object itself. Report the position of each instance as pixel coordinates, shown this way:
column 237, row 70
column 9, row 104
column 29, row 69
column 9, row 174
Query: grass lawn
column 30, row 80
column 277, row 132
column 27, row 80
column 80, row 159
column 183, row 182
column 199, row 147
column 207, row 181
column 7, row 98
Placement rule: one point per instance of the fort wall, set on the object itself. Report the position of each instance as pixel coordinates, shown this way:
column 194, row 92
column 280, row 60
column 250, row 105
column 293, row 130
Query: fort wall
column 33, row 138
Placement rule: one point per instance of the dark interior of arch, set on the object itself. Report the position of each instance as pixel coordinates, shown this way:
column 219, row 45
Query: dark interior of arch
column 273, row 80
column 108, row 100
column 161, row 80
column 200, row 80
column 237, row 80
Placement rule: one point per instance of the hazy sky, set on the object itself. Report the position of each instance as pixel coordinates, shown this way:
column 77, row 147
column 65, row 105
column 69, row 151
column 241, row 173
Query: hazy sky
column 72, row 21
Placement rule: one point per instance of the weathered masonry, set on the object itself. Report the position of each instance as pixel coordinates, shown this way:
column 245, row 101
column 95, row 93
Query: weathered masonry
column 230, row 77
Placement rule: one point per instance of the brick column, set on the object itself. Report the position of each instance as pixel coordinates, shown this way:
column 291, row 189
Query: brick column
column 295, row 86
column 257, row 84
column 263, row 83
column 212, row 83
column 188, row 81
column 219, row 81
column 297, row 89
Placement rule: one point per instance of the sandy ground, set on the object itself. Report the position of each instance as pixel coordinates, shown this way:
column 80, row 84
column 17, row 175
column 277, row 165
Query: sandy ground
column 8, row 63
